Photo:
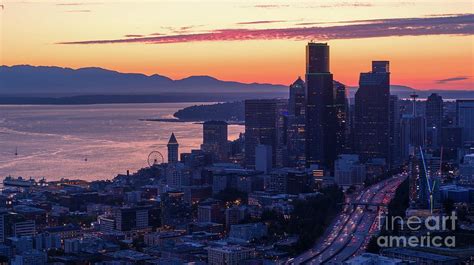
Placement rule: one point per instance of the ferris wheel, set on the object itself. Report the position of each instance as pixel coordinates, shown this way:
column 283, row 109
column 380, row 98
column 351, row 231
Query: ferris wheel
column 155, row 158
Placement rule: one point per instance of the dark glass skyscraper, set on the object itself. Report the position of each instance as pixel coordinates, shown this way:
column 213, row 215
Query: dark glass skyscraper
column 263, row 126
column 434, row 110
column 320, row 111
column 319, row 91
column 394, row 130
column 341, row 111
column 214, row 134
column 296, row 124
column 371, row 120
column 434, row 119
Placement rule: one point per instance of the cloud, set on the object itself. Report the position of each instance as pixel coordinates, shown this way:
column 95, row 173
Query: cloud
column 270, row 6
column 133, row 36
column 452, row 79
column 78, row 4
column 312, row 5
column 260, row 22
column 78, row 11
column 462, row 24
column 70, row 4
column 344, row 4
column 177, row 30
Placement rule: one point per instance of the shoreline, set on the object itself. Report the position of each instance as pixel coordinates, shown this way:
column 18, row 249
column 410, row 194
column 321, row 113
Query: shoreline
column 190, row 120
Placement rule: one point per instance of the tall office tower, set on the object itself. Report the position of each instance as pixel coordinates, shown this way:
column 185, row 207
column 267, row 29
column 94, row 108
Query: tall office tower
column 281, row 153
column 465, row 119
column 341, row 110
column 434, row 119
column 371, row 120
column 263, row 158
column 412, row 134
column 394, row 131
column 320, row 111
column 173, row 150
column 263, row 126
column 296, row 124
column 215, row 140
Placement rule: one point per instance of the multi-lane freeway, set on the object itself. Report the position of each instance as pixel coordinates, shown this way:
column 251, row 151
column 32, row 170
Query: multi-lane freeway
column 352, row 229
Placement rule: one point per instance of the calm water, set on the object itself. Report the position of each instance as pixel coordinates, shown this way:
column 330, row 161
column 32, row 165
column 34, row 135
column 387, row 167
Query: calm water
column 54, row 141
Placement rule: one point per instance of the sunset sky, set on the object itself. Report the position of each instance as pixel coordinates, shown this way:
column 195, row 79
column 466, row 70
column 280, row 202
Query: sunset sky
column 430, row 44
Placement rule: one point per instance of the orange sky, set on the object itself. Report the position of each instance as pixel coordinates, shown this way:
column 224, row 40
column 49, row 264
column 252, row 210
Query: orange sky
column 31, row 33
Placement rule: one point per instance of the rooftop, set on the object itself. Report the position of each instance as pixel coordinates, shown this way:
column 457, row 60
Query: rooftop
column 418, row 254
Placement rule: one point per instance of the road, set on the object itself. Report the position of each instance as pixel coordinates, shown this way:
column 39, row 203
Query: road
column 353, row 227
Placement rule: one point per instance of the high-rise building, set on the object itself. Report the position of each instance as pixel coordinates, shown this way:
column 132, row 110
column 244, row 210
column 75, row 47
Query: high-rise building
column 451, row 140
column 371, row 120
column 434, row 119
column 129, row 218
column 465, row 119
column 263, row 126
column 394, row 130
column 173, row 147
column 296, row 124
column 215, row 140
column 341, row 111
column 263, row 158
column 413, row 134
column 320, row 110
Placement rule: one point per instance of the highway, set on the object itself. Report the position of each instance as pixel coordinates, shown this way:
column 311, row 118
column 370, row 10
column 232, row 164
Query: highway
column 352, row 229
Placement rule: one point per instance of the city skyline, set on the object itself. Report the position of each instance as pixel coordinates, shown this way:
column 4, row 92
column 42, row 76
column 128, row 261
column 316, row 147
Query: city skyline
column 245, row 41
column 342, row 134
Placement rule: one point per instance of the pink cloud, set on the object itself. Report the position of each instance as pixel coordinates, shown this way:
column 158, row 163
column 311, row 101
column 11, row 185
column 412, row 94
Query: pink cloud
column 260, row 22
column 462, row 24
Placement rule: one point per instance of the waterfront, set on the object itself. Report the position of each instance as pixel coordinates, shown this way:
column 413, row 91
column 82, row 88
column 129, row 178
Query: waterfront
column 56, row 141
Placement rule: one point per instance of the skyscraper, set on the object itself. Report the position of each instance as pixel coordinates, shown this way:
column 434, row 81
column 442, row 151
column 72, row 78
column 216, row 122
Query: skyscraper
column 173, row 150
column 296, row 124
column 465, row 119
column 215, row 140
column 371, row 120
column 341, row 111
column 413, row 134
column 434, row 119
column 262, row 126
column 394, row 131
column 320, row 111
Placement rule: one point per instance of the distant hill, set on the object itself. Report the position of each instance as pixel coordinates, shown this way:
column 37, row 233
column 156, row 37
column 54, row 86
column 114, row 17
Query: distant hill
column 25, row 84
column 57, row 81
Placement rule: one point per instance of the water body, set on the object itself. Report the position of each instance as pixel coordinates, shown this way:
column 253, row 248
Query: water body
column 89, row 142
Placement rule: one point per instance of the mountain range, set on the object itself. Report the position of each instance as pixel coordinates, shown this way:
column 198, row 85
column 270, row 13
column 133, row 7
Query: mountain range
column 28, row 84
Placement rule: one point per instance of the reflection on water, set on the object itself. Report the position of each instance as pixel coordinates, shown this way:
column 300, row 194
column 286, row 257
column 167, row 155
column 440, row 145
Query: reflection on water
column 89, row 141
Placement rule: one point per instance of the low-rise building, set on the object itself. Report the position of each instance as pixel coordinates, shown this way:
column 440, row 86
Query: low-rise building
column 229, row 255
column 247, row 232
column 373, row 259
column 419, row 257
